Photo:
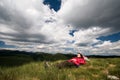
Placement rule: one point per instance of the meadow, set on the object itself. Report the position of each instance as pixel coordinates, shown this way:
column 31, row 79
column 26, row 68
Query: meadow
column 19, row 65
column 95, row 69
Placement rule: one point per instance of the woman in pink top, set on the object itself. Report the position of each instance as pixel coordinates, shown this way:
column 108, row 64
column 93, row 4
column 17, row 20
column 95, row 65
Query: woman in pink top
column 75, row 61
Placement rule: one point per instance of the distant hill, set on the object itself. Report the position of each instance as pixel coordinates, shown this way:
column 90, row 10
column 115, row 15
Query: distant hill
column 103, row 56
column 16, row 58
column 47, row 56
column 37, row 56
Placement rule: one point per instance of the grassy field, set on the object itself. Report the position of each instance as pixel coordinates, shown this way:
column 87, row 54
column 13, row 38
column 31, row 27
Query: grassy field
column 96, row 69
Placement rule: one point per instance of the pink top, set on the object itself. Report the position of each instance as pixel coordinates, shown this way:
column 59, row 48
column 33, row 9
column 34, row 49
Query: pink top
column 77, row 60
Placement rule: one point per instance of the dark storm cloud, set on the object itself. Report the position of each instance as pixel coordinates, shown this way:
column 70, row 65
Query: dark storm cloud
column 103, row 13
column 83, row 44
column 36, row 38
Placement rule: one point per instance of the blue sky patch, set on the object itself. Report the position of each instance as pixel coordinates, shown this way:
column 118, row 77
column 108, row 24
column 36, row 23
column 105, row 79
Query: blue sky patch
column 3, row 45
column 71, row 32
column 54, row 4
column 113, row 38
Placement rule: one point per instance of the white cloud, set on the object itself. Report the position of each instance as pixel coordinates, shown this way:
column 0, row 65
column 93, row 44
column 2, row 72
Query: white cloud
column 109, row 45
column 89, row 35
column 32, row 26
column 105, row 44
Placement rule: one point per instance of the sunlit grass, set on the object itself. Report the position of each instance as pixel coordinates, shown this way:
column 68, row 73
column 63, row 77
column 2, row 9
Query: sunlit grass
column 96, row 69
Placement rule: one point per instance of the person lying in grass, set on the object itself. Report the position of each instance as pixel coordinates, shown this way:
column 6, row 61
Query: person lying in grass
column 74, row 62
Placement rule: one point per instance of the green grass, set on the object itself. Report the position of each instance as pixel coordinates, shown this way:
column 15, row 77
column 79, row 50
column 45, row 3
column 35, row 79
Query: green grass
column 96, row 69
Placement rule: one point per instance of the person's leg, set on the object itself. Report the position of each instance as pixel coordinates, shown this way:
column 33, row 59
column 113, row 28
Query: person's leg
column 65, row 64
column 77, row 66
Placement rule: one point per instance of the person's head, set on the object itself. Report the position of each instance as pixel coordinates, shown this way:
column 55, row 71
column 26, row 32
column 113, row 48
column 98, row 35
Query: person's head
column 79, row 55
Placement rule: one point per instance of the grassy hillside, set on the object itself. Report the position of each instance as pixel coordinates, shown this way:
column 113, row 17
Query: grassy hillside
column 16, row 65
column 96, row 69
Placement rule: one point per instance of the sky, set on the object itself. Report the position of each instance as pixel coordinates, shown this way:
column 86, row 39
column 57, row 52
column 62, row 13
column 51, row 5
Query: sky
column 91, row 27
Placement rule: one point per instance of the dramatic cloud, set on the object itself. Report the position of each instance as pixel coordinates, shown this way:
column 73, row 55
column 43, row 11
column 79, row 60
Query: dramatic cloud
column 30, row 22
column 17, row 19
column 86, row 13
column 30, row 25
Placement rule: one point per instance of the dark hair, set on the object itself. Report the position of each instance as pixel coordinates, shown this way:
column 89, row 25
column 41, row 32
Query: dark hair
column 81, row 55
